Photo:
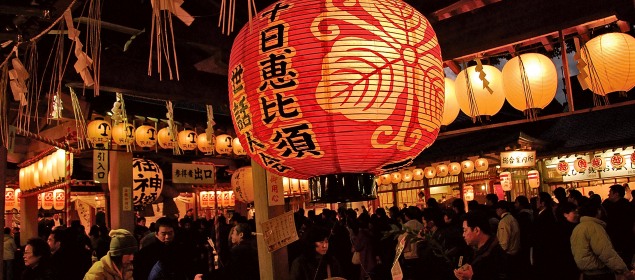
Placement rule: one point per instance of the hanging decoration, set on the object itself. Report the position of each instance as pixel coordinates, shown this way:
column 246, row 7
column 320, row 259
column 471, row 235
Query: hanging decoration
column 227, row 13
column 530, row 82
column 481, row 164
column 580, row 165
column 145, row 136
column 243, row 184
column 80, row 122
column 18, row 76
column 406, row 175
column 533, row 179
column 429, row 172
column 4, row 122
column 84, row 62
column 176, row 149
column 98, row 133
column 395, row 177
column 223, row 144
column 417, row 174
column 162, row 36
column 598, row 163
column 147, row 181
column 609, row 63
column 375, row 66
column 203, row 144
column 467, row 166
column 506, row 180
column 123, row 134
column 237, row 147
column 454, row 168
column 562, row 167
column 209, row 131
column 442, row 170
column 187, row 140
column 475, row 96
column 57, row 107
column 164, row 137
column 9, row 199
column 59, row 200
column 386, row 179
column 618, row 161
column 450, row 105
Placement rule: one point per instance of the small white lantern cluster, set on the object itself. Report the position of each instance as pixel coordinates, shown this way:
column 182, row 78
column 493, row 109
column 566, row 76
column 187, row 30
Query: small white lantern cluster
column 46, row 171
column 440, row 170
column 209, row 199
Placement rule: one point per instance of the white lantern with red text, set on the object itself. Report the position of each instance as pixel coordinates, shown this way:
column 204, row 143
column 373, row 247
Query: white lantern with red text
column 59, row 200
column 598, row 163
column 506, row 180
column 47, row 200
column 580, row 165
column 98, row 132
column 147, row 181
column 454, row 168
column 467, row 166
column 417, row 174
column 430, row 172
column 232, row 199
column 123, row 134
column 481, row 165
column 164, row 137
column 618, row 161
column 562, row 167
column 203, row 144
column 242, row 184
column 187, row 140
column 533, row 178
column 204, row 199
column 146, row 136
column 9, row 199
column 442, row 170
column 224, row 144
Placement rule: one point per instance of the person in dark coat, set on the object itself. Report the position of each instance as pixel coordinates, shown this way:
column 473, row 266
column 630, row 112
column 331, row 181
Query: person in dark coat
column 315, row 263
column 70, row 260
column 484, row 264
column 244, row 256
column 619, row 222
column 37, row 259
column 544, row 240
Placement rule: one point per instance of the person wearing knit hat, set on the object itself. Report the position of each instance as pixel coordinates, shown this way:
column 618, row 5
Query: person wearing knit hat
column 117, row 264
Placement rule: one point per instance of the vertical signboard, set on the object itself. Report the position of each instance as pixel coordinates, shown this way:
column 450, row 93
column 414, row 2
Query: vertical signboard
column 275, row 189
column 100, row 166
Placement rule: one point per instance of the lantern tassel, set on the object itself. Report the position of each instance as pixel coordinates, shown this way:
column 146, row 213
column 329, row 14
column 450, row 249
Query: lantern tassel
column 529, row 101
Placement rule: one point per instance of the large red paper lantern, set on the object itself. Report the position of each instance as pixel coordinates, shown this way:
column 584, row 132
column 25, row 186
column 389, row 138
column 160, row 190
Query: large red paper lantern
column 336, row 91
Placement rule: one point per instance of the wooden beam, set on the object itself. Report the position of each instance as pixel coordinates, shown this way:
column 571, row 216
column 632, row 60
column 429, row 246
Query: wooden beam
column 583, row 32
column 624, row 26
column 546, row 43
column 453, row 66
column 512, row 21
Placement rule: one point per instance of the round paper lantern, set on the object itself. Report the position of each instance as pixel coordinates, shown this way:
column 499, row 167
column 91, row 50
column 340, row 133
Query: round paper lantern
column 618, row 161
column 147, row 181
column 481, row 164
column 98, row 132
column 187, row 140
column 406, row 176
column 580, row 165
column 451, row 105
column 243, row 184
column 487, row 104
column 506, row 180
column 237, row 147
column 232, row 199
column 533, row 178
column 467, row 166
column 21, row 178
column 562, row 167
column 204, row 201
column 454, row 168
column 395, row 177
column 164, row 137
column 9, row 199
column 203, row 144
column 310, row 88
column 430, row 172
column 47, row 200
column 123, row 134
column 61, row 164
column 59, row 200
column 49, row 160
column 18, row 197
column 386, row 179
column 146, row 136
column 598, row 163
column 36, row 175
column 417, row 174
column 224, row 144
column 610, row 63
column 532, row 84
column 442, row 170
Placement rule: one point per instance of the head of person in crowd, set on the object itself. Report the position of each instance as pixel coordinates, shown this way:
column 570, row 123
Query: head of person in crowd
column 616, row 193
column 165, row 230
column 473, row 205
column 590, row 209
column 7, row 231
column 433, row 218
column 432, row 203
column 449, row 216
column 591, row 193
column 458, row 205
column 123, row 245
column 521, row 203
column 561, row 194
column 476, row 228
column 36, row 252
column 502, row 207
column 394, row 213
column 239, row 233
column 544, row 201
column 317, row 240
column 381, row 212
column 575, row 196
column 491, row 199
column 141, row 221
column 55, row 239
column 570, row 212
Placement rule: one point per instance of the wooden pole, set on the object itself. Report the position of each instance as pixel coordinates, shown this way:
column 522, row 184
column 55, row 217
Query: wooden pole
column 565, row 65
column 121, row 208
column 273, row 265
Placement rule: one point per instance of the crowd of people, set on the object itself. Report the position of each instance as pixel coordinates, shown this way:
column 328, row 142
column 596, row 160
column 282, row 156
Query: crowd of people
column 569, row 237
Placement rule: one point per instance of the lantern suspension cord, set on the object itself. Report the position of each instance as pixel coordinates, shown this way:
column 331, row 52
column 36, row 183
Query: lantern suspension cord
column 596, row 83
column 471, row 98
column 45, row 140
column 529, row 101
column 80, row 122
column 4, row 123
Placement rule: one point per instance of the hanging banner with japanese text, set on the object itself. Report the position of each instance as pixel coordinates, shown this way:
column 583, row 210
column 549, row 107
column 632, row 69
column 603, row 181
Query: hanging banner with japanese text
column 197, row 174
column 518, row 159
column 147, row 181
column 100, row 166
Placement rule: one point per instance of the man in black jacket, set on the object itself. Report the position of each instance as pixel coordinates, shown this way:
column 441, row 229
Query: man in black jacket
column 485, row 263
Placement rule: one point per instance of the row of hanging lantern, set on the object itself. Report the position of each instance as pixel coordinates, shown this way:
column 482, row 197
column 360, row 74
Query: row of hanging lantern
column 441, row 170
column 55, row 199
column 209, row 199
column 46, row 171
column 529, row 81
column 12, row 198
column 597, row 163
column 99, row 133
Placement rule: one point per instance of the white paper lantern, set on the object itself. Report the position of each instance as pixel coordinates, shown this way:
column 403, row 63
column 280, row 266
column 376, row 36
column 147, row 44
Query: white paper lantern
column 506, row 181
column 18, row 197
column 147, row 181
column 9, row 199
column 204, row 200
column 417, row 174
column 98, row 132
column 146, row 136
column 442, row 170
column 59, row 201
column 224, row 144
column 467, row 166
column 406, row 176
column 386, row 179
column 580, row 165
column 242, row 184
column 451, row 105
column 598, row 163
column 612, row 56
column 203, row 144
column 481, row 164
column 562, row 167
column 429, row 172
column 618, row 161
column 238, row 148
column 454, row 168
column 47, row 200
column 61, row 163
column 395, row 177
column 533, row 178
column 187, row 140
column 164, row 137
column 123, row 134
column 487, row 104
column 541, row 81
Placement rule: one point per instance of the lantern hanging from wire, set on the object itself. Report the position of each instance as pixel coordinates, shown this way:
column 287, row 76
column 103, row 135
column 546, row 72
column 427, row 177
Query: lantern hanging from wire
column 533, row 178
column 506, row 180
column 417, row 174
column 187, row 140
column 164, row 137
column 406, row 176
column 609, row 63
column 123, row 134
column 147, row 181
column 237, row 147
column 430, row 172
column 467, row 166
column 98, row 132
column 242, row 184
column 618, row 161
column 395, row 177
column 598, row 163
column 386, row 179
column 442, row 170
column 454, row 168
column 311, row 88
column 451, row 105
column 580, row 165
column 146, row 136
column 474, row 98
column 530, row 82
column 204, row 145
column 481, row 164
column 562, row 167
column 224, row 144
